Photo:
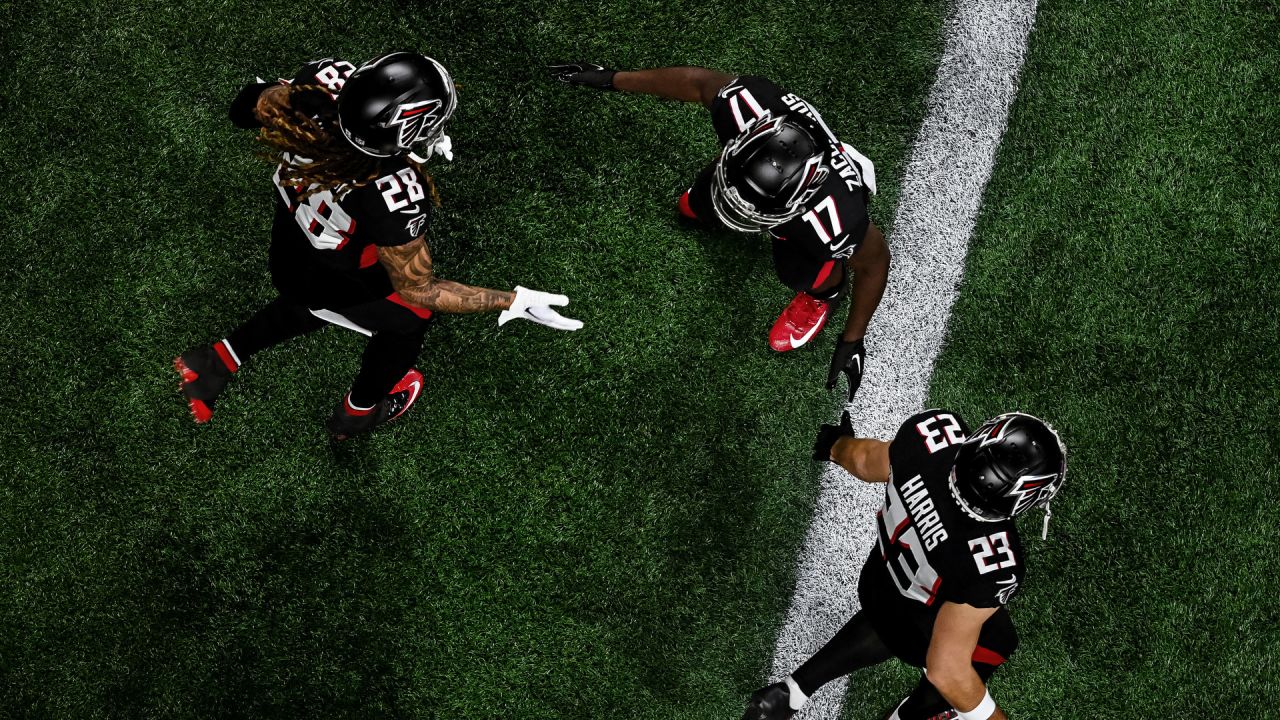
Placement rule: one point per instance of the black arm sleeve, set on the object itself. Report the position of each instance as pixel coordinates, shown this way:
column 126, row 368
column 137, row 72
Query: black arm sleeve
column 242, row 115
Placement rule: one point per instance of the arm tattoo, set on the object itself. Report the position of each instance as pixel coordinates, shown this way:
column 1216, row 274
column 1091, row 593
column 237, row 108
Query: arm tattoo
column 413, row 276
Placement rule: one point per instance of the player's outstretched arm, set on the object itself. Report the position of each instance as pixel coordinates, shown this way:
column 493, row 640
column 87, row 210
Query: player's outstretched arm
column 691, row 84
column 413, row 276
column 949, row 663
column 870, row 269
column 863, row 458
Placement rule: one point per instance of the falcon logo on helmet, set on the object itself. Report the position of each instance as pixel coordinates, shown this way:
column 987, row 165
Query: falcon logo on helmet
column 1028, row 491
column 396, row 101
column 765, row 176
column 1011, row 464
column 994, row 430
column 414, row 120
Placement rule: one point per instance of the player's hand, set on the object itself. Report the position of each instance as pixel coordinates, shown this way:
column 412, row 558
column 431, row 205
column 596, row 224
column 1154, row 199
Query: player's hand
column 536, row 306
column 850, row 358
column 829, row 434
column 584, row 73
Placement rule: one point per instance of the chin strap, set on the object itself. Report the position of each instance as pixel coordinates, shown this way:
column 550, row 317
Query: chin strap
column 443, row 146
column 1044, row 529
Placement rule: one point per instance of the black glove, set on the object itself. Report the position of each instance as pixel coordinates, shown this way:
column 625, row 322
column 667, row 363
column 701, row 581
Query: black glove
column 829, row 434
column 583, row 73
column 246, row 102
column 850, row 358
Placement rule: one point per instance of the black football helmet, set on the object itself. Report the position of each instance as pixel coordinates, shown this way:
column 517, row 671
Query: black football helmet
column 1011, row 464
column 765, row 176
column 395, row 102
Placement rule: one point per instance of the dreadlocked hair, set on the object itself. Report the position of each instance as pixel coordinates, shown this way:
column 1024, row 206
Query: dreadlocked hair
column 300, row 128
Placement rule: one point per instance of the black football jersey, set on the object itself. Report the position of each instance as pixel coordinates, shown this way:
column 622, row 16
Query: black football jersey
column 341, row 227
column 835, row 218
column 931, row 548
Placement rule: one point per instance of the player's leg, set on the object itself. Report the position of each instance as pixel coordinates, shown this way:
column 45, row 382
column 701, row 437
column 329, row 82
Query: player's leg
column 855, row 646
column 695, row 204
column 819, row 286
column 387, row 384
column 205, row 370
column 996, row 644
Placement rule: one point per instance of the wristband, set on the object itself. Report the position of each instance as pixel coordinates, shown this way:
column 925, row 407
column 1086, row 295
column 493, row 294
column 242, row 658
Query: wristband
column 984, row 711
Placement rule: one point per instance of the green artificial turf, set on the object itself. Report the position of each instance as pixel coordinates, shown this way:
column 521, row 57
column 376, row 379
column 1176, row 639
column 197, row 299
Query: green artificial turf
column 599, row 524
column 605, row 524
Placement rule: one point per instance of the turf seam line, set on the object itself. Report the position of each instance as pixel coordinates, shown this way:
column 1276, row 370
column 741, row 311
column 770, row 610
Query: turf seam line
column 967, row 110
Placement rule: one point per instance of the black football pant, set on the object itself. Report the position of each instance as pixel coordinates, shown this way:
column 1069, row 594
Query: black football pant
column 858, row 645
column 889, row 625
column 398, row 334
column 362, row 296
column 795, row 269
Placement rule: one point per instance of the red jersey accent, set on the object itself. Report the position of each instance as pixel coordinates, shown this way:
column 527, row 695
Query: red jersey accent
column 419, row 311
column 987, row 657
column 824, row 273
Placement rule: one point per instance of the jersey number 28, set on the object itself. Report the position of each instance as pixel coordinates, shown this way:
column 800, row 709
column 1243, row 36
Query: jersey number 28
column 405, row 181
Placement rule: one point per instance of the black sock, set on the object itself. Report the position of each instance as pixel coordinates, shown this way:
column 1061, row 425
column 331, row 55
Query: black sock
column 856, row 646
column 387, row 357
column 280, row 320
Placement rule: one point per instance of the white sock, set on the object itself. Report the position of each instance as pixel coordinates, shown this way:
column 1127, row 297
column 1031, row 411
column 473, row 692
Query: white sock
column 352, row 406
column 796, row 698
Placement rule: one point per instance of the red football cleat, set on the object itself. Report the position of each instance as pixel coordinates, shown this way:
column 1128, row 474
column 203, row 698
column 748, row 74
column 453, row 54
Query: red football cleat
column 685, row 209
column 802, row 319
column 203, row 374
column 345, row 422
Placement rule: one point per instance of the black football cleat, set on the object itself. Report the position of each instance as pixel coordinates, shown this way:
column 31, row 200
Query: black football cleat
column 203, row 374
column 770, row 703
column 344, row 422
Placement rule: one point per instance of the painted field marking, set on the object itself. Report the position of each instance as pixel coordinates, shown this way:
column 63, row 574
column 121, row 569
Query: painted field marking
column 967, row 110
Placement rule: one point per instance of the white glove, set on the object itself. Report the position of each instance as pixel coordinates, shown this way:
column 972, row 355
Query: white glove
column 536, row 306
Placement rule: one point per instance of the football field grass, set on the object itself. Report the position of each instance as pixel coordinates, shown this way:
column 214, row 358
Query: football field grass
column 605, row 524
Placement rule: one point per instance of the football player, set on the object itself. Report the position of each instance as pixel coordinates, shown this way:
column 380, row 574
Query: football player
column 781, row 171
column 935, row 589
column 348, row 245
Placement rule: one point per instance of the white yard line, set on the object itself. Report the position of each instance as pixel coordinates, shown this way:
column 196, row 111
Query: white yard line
column 951, row 161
